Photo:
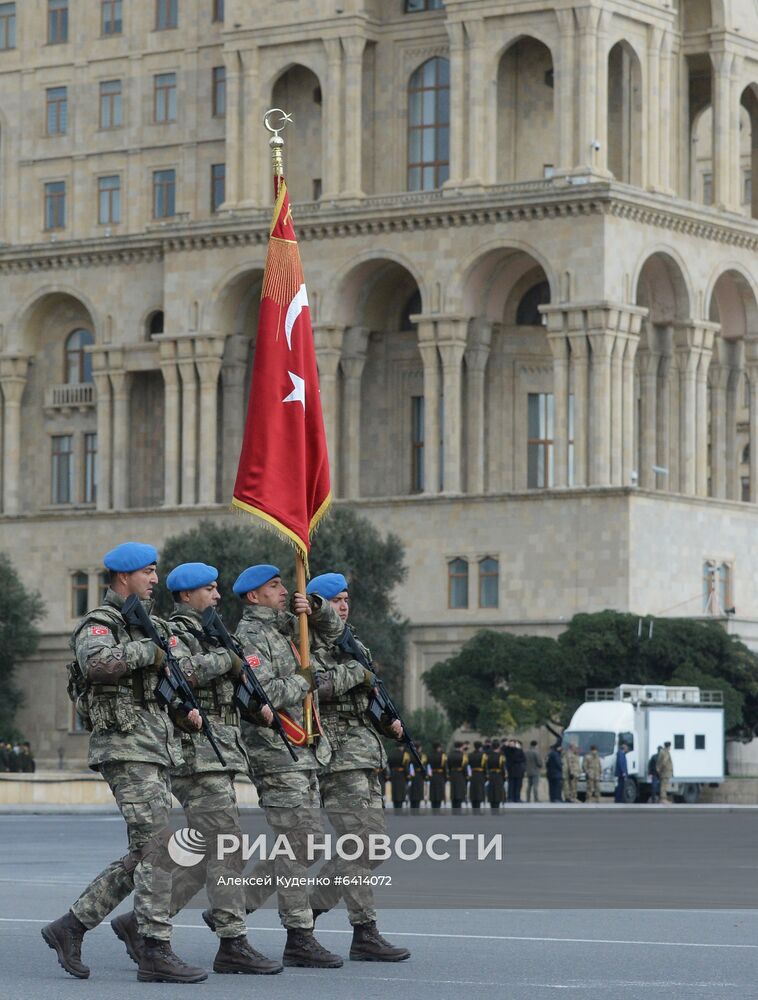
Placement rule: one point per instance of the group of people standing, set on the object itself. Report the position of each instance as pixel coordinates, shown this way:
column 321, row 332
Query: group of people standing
column 565, row 767
column 148, row 748
column 489, row 774
column 16, row 757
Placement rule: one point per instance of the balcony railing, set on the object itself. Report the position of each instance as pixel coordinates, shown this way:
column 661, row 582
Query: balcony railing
column 71, row 395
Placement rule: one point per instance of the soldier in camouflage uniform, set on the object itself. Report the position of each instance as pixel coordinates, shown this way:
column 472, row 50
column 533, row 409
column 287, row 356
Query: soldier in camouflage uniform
column 593, row 768
column 350, row 790
column 571, row 770
column 133, row 746
column 287, row 789
column 202, row 784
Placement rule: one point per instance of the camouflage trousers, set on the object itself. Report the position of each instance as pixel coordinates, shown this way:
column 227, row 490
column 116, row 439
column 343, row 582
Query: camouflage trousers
column 143, row 795
column 593, row 789
column 568, row 788
column 291, row 803
column 353, row 802
column 210, row 807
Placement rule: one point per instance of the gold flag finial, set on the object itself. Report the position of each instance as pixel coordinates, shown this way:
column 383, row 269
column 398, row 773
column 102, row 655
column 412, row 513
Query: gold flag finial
column 275, row 120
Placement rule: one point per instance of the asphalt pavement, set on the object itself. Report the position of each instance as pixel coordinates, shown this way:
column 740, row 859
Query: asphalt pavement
column 670, row 948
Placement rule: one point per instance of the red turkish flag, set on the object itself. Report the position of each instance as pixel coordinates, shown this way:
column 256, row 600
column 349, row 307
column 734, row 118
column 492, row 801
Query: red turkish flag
column 283, row 473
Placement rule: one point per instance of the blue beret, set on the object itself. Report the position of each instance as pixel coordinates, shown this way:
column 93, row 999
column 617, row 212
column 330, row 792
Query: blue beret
column 130, row 556
column 190, row 576
column 254, row 577
column 328, row 585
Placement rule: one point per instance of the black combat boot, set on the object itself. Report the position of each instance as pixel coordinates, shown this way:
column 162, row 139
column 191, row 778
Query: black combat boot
column 238, row 955
column 303, row 949
column 125, row 928
column 159, row 964
column 64, row 936
column 368, row 945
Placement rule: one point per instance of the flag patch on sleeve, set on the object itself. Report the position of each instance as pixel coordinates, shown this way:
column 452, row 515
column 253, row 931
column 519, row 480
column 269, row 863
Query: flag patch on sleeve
column 98, row 630
column 253, row 660
column 173, row 641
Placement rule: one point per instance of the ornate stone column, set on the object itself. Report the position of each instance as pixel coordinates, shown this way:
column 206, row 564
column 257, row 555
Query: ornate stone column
column 722, row 118
column 579, row 360
column 733, row 389
column 427, row 345
column 332, row 151
column 601, row 345
column 208, row 354
column 654, row 100
column 13, row 375
column 706, row 336
column 355, row 347
column 353, row 103
column 559, row 347
column 663, row 435
column 234, row 413
column 328, row 340
column 476, row 356
column 564, row 88
column 477, row 95
column 588, row 19
column 185, row 352
column 172, row 422
column 104, row 413
column 751, row 368
column 718, row 377
column 687, row 356
column 648, row 368
column 121, row 385
column 600, row 157
column 629, row 404
column 451, row 342
column 233, row 128
column 255, row 184
column 665, row 118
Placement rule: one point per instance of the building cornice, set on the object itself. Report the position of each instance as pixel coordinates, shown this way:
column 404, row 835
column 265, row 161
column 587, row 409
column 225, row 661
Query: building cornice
column 387, row 215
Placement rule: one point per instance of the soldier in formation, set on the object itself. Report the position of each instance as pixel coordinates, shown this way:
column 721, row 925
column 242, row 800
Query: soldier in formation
column 419, row 779
column 460, row 771
column 496, row 774
column 665, row 768
column 438, row 763
column 401, row 770
column 477, row 783
column 350, row 790
column 571, row 770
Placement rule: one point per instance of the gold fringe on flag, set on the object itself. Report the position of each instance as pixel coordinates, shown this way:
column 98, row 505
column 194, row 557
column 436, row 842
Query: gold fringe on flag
column 284, row 272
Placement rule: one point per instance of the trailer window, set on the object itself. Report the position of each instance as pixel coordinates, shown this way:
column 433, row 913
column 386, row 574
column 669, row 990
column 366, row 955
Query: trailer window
column 627, row 738
column 679, row 741
column 584, row 739
column 700, row 741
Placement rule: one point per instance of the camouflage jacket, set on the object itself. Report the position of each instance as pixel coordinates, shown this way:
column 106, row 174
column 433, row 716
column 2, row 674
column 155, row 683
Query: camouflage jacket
column 127, row 722
column 664, row 764
column 208, row 668
column 355, row 744
column 570, row 764
column 593, row 765
column 269, row 637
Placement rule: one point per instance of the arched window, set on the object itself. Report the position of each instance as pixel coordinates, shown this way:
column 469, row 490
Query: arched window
column 429, row 125
column 457, row 583
column 154, row 323
column 489, row 579
column 412, row 308
column 528, row 313
column 78, row 364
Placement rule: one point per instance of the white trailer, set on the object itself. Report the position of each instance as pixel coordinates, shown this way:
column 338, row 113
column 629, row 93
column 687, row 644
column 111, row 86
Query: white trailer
column 645, row 716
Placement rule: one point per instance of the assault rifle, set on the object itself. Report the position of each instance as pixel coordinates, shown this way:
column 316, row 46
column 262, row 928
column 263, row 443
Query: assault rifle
column 172, row 685
column 250, row 689
column 381, row 704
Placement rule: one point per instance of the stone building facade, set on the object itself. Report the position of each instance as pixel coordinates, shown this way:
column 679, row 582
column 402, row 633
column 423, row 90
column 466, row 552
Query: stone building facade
column 528, row 231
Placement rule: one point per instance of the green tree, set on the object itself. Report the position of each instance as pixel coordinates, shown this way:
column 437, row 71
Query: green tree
column 502, row 682
column 429, row 726
column 20, row 610
column 346, row 542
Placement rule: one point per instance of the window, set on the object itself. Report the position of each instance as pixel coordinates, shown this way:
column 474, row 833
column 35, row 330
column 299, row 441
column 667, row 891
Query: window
column 164, row 103
column 155, row 323
column 417, row 444
column 7, row 26
column 679, row 741
column 412, row 6
column 541, row 423
column 111, row 22
column 218, row 186
column 700, row 741
column 109, row 199
column 57, row 110
column 528, row 313
column 489, row 579
column 218, row 94
column 79, row 594
column 110, row 104
column 164, row 194
column 78, row 361
column 457, row 584
column 57, row 21
column 317, row 188
column 717, row 586
column 166, row 14
column 429, row 125
column 707, row 189
column 63, row 468
column 218, row 10
column 627, row 738
column 55, row 205
column 745, row 489
column 90, row 468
